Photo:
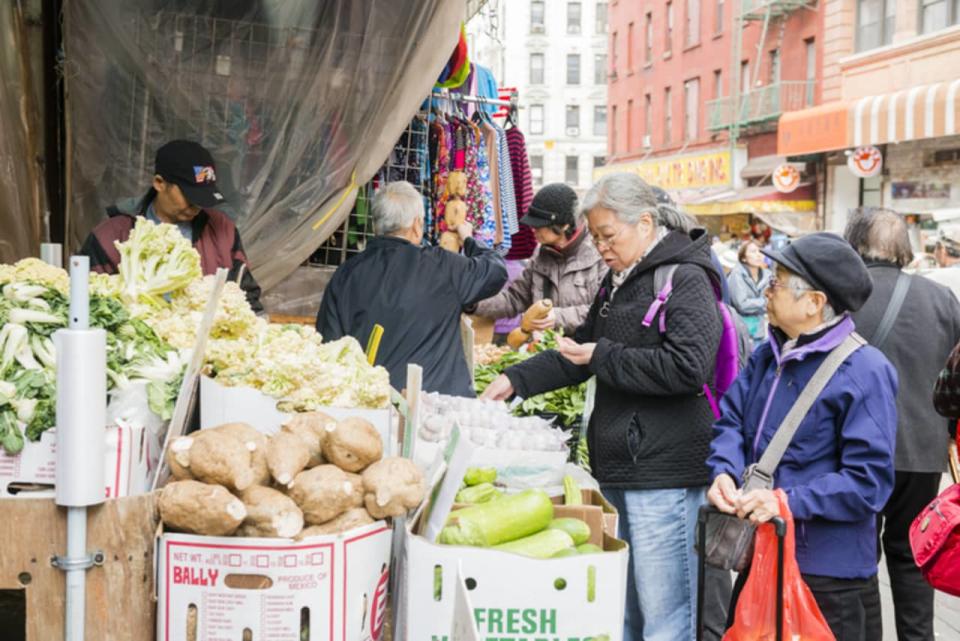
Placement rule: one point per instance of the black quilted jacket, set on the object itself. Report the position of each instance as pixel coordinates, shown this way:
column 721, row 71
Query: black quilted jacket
column 650, row 427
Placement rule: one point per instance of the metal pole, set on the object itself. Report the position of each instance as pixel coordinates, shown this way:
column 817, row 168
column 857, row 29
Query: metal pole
column 76, row 573
column 781, row 528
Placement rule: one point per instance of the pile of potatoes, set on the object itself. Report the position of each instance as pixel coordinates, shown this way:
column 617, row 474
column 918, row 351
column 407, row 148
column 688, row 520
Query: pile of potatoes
column 315, row 476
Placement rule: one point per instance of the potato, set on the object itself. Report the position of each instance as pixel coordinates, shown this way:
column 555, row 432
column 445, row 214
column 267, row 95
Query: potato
column 178, row 458
column 256, row 441
column 353, row 518
column 323, row 493
column 352, row 444
column 392, row 487
column 287, row 456
column 270, row 513
column 312, row 428
column 200, row 508
column 221, row 458
column 356, row 500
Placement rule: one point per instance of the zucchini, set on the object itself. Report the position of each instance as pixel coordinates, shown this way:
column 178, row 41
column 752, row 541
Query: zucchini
column 541, row 545
column 588, row 548
column 478, row 475
column 577, row 529
column 571, row 491
column 483, row 493
column 506, row 519
column 565, row 552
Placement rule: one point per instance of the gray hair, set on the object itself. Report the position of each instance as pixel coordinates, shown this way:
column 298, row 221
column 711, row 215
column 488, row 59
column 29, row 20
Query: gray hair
column 675, row 219
column 879, row 234
column 627, row 195
column 796, row 284
column 396, row 207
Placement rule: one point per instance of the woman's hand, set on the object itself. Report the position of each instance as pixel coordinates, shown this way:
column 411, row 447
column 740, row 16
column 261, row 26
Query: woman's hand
column 759, row 505
column 547, row 322
column 575, row 352
column 499, row 390
column 724, row 493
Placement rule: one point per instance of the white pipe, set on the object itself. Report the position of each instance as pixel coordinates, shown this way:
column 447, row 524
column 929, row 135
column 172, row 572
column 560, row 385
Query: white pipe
column 76, row 577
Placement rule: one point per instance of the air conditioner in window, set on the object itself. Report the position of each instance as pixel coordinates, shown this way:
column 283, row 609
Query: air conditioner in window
column 646, row 142
column 537, row 28
column 573, row 131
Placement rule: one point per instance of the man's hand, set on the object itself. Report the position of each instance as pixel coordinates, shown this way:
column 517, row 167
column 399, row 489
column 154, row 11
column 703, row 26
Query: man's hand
column 759, row 505
column 724, row 493
column 575, row 352
column 465, row 231
column 547, row 322
column 499, row 390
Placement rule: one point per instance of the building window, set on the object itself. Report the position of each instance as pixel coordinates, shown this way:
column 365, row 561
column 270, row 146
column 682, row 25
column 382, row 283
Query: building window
column 669, row 34
column 667, row 117
column 745, row 76
column 613, row 53
column 613, row 130
column 717, row 83
column 691, row 109
column 774, row 67
column 573, row 120
column 536, row 170
column 630, row 126
column 693, row 23
column 871, row 192
column 647, row 116
column 536, row 120
column 600, row 69
column 599, row 161
column 601, row 26
column 536, row 68
column 811, row 75
column 600, row 120
column 648, row 54
column 718, row 18
column 536, row 16
column 571, row 173
column 574, row 12
column 630, row 42
column 875, row 23
column 938, row 14
column 573, row 68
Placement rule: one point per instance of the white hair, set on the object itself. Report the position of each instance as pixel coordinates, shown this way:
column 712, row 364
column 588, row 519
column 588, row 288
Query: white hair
column 626, row 195
column 396, row 207
column 799, row 286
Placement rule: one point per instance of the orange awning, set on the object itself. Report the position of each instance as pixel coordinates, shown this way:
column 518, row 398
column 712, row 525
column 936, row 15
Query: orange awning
column 814, row 130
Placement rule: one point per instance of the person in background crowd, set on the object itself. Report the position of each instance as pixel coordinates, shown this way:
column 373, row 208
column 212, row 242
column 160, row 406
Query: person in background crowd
column 184, row 193
column 650, row 429
column 566, row 268
column 947, row 254
column 416, row 293
column 925, row 327
column 747, row 282
column 838, row 470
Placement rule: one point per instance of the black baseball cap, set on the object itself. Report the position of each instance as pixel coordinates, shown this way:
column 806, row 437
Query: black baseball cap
column 190, row 167
column 554, row 204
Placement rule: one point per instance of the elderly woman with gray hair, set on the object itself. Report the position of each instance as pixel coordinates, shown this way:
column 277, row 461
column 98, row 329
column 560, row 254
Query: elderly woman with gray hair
column 649, row 433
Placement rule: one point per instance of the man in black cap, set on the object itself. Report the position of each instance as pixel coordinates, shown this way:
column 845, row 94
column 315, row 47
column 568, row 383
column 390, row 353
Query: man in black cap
column 566, row 268
column 838, row 470
column 185, row 194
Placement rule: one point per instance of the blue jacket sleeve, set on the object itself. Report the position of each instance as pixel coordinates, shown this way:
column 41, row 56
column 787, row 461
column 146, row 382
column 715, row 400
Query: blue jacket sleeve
column 727, row 447
column 864, row 482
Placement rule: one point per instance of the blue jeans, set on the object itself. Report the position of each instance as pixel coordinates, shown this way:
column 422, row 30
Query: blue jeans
column 660, row 525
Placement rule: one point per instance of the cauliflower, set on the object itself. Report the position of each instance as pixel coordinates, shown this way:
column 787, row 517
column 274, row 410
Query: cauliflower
column 156, row 260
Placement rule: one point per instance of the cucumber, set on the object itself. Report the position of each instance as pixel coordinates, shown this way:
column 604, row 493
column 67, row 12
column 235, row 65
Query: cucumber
column 588, row 548
column 565, row 552
column 541, row 545
column 505, row 519
column 577, row 529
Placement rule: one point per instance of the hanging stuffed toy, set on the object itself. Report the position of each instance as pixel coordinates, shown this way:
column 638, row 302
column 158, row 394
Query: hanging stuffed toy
column 455, row 210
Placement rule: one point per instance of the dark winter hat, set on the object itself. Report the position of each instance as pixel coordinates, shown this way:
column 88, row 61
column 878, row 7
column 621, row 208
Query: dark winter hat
column 191, row 168
column 554, row 204
column 831, row 266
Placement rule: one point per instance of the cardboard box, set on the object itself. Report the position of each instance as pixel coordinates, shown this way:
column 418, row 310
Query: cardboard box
column 223, row 586
column 220, row 404
column 599, row 508
column 514, row 597
column 130, row 458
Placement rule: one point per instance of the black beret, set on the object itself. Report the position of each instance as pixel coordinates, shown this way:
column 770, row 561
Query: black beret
column 831, row 266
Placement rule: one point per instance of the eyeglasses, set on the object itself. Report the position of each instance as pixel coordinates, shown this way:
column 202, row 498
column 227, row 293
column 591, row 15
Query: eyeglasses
column 606, row 241
column 776, row 283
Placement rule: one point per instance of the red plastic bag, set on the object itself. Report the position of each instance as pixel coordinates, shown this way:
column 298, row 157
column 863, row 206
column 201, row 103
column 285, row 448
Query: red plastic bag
column 756, row 618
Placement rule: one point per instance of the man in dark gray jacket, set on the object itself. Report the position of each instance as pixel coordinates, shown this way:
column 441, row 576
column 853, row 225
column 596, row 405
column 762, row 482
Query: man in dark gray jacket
column 915, row 323
column 416, row 293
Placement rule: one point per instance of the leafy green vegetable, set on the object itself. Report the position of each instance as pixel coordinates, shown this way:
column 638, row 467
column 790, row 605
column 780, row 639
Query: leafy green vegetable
column 571, row 491
column 44, row 417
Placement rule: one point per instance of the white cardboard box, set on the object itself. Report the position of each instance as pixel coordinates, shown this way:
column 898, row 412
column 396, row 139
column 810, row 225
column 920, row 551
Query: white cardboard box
column 220, row 404
column 130, row 457
column 514, row 597
column 337, row 582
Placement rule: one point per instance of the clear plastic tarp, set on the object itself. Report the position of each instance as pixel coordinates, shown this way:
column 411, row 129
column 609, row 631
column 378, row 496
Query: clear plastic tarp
column 299, row 101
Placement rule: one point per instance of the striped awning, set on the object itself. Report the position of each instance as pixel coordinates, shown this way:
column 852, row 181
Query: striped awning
column 927, row 111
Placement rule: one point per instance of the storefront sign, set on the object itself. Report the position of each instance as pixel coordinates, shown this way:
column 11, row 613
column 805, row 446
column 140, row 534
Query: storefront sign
column 865, row 162
column 908, row 190
column 786, row 178
column 679, row 172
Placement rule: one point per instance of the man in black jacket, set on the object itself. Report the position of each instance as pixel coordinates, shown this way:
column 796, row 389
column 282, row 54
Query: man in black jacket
column 416, row 293
column 915, row 323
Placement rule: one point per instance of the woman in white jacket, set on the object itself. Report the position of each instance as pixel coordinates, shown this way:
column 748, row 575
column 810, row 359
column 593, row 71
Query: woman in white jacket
column 747, row 282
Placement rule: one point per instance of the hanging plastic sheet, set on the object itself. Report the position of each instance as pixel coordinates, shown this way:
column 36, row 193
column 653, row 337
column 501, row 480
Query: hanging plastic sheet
column 20, row 180
column 300, row 101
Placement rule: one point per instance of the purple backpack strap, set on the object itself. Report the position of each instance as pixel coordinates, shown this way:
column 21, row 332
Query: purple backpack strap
column 663, row 284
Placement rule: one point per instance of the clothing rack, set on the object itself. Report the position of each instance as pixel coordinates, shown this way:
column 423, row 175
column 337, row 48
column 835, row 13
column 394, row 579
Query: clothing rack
column 474, row 99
